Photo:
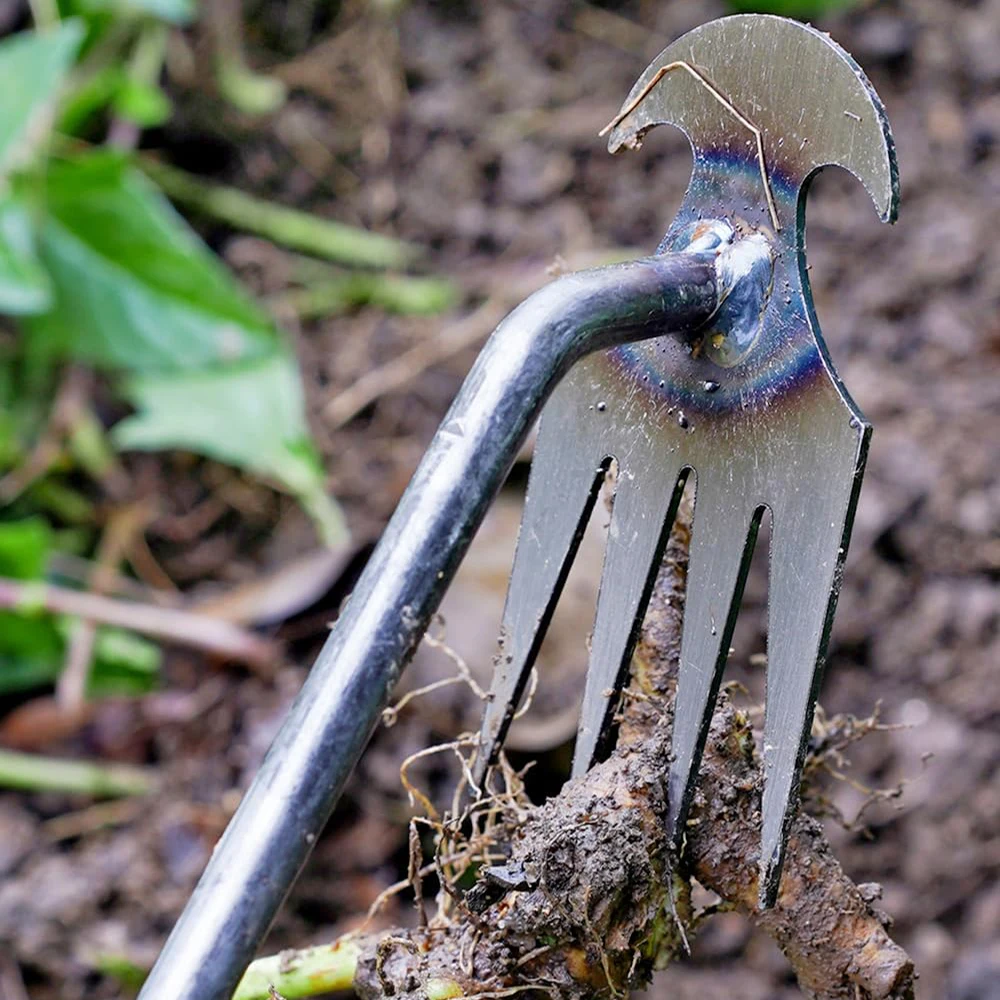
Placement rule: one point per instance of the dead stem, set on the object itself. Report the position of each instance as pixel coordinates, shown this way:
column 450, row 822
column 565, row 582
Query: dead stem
column 725, row 102
column 184, row 628
column 123, row 526
column 402, row 370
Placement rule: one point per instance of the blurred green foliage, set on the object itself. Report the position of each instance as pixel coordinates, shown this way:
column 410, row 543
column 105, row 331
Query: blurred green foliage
column 98, row 270
column 33, row 643
column 102, row 270
column 171, row 11
column 803, row 9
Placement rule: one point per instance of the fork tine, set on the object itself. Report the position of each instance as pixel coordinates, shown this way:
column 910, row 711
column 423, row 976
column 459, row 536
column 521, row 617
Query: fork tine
column 723, row 533
column 807, row 553
column 645, row 505
column 562, row 488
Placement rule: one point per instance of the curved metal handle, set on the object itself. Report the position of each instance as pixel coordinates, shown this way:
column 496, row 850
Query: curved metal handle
column 273, row 831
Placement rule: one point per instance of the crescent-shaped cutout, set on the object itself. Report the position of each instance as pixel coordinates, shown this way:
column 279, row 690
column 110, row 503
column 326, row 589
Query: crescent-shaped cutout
column 809, row 100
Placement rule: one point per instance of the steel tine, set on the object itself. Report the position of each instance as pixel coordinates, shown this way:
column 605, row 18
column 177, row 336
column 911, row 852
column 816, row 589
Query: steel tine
column 645, row 505
column 562, row 487
column 809, row 534
column 723, row 533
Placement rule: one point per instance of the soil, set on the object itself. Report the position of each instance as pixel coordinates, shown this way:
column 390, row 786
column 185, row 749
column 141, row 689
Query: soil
column 471, row 130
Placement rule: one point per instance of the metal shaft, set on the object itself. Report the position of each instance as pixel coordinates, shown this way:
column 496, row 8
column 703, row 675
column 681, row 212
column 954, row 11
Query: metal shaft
column 284, row 811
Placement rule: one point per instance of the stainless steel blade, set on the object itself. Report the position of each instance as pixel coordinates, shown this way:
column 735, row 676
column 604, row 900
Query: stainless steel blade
column 752, row 405
column 561, row 491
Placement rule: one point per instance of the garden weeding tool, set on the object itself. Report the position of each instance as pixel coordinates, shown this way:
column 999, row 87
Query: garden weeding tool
column 704, row 359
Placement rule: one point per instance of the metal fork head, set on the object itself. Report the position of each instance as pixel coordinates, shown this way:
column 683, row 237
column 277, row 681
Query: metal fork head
column 751, row 407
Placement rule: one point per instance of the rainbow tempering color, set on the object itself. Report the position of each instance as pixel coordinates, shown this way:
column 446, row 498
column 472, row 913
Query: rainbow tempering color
column 785, row 357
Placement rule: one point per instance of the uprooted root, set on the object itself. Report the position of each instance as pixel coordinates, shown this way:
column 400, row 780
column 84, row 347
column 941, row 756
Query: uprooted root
column 588, row 901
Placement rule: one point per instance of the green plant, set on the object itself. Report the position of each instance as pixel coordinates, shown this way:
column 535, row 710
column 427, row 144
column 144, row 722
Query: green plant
column 99, row 272
column 100, row 269
column 792, row 8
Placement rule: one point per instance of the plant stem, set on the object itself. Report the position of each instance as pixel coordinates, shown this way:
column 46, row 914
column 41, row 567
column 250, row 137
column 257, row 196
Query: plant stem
column 33, row 773
column 393, row 293
column 45, row 13
column 144, row 68
column 169, row 624
column 249, row 92
column 303, row 973
column 327, row 516
column 280, row 224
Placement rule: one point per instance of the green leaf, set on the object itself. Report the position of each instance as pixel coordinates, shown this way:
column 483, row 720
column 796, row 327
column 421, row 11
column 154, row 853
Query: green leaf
column 32, row 68
column 24, row 548
column 10, row 451
column 128, row 972
column 33, row 643
column 172, row 11
column 89, row 95
column 142, row 103
column 252, row 417
column 136, row 100
column 33, row 652
column 135, row 288
column 791, row 8
column 24, row 285
column 136, row 291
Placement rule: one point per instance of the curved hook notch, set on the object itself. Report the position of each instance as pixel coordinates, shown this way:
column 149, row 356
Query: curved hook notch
column 772, row 89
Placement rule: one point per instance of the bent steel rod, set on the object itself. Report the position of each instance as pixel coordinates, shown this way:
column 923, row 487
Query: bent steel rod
column 270, row 836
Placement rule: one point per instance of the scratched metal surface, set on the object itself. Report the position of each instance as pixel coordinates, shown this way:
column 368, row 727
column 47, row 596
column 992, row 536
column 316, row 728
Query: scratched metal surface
column 753, row 410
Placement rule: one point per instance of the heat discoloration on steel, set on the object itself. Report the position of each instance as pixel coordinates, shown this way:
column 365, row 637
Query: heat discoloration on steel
column 759, row 418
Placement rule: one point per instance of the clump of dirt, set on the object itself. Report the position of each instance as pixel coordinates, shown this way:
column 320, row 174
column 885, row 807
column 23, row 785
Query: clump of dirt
column 591, row 882
column 591, row 898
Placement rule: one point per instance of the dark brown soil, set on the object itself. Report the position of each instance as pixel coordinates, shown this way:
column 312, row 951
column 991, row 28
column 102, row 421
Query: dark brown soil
column 471, row 129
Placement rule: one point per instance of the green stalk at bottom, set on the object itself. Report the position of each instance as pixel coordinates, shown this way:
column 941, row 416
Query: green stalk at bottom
column 306, row 972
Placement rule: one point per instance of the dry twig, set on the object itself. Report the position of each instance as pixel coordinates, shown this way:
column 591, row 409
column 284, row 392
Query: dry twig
column 185, row 628
column 123, row 526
